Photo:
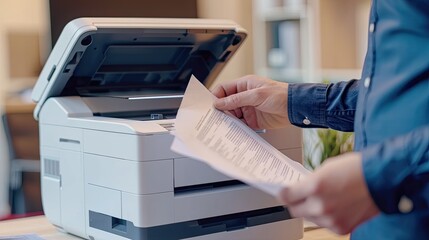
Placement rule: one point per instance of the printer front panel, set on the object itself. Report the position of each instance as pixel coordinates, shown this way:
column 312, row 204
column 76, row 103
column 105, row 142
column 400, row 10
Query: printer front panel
column 143, row 168
column 191, row 172
column 134, row 147
column 287, row 140
column 146, row 177
column 150, row 167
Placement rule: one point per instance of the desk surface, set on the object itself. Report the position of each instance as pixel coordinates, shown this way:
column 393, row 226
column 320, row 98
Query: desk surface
column 40, row 226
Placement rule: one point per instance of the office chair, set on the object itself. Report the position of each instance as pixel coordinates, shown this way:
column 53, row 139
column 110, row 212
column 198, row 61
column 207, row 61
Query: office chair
column 23, row 145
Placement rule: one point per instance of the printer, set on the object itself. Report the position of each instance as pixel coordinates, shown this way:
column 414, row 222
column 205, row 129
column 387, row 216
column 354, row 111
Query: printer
column 106, row 104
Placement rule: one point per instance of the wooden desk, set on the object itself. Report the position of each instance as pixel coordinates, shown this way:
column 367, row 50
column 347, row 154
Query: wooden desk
column 39, row 225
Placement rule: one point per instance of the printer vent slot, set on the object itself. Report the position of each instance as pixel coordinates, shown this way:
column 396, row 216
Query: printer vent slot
column 52, row 168
column 206, row 186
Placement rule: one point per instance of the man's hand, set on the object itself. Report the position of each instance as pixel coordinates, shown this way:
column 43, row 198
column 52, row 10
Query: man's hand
column 259, row 102
column 334, row 196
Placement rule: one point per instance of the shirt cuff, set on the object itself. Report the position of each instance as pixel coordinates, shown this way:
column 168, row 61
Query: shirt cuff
column 396, row 172
column 307, row 105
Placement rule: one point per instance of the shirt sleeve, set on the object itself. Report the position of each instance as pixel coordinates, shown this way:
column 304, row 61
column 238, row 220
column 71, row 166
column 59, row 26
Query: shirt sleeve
column 399, row 168
column 315, row 105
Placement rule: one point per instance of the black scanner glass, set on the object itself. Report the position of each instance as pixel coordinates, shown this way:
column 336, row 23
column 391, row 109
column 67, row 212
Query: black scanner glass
column 144, row 62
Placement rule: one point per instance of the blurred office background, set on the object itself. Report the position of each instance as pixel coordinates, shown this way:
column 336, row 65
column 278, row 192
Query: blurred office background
column 289, row 40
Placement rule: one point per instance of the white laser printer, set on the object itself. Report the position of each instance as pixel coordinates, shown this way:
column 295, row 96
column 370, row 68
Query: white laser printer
column 106, row 103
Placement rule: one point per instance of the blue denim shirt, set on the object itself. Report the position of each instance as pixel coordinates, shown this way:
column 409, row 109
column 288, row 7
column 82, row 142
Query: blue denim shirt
column 388, row 109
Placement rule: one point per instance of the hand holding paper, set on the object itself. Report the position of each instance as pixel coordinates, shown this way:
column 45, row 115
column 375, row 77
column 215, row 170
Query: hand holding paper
column 228, row 145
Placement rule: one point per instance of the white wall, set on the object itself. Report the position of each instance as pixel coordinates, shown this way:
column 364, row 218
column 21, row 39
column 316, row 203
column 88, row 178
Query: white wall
column 20, row 16
column 239, row 11
column 16, row 15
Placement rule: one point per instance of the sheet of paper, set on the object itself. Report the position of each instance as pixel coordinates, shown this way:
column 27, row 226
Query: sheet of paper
column 228, row 145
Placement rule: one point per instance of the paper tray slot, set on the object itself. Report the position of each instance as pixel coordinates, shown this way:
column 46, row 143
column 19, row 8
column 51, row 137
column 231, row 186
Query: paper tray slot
column 241, row 220
column 152, row 93
column 142, row 115
column 206, row 186
column 118, row 107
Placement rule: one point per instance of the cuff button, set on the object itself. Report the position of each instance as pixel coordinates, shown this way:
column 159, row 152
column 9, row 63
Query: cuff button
column 306, row 121
column 405, row 205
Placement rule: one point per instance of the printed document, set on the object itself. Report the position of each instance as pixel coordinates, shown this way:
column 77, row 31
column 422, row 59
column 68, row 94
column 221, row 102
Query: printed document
column 228, row 145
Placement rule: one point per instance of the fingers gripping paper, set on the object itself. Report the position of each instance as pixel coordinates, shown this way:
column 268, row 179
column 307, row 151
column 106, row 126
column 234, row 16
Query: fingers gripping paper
column 228, row 145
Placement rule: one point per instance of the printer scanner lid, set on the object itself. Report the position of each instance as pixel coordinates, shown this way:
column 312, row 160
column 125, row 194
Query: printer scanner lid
column 135, row 56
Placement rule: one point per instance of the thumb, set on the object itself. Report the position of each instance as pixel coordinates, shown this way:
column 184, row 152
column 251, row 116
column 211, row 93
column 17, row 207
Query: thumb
column 234, row 101
column 284, row 196
column 297, row 193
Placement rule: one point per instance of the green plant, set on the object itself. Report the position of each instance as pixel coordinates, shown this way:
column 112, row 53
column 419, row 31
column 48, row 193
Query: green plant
column 327, row 143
